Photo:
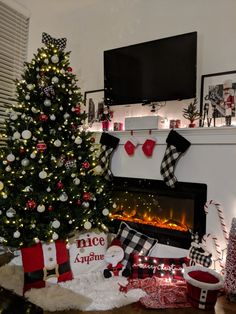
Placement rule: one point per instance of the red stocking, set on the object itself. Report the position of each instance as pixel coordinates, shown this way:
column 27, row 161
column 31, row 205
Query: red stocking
column 148, row 146
column 130, row 146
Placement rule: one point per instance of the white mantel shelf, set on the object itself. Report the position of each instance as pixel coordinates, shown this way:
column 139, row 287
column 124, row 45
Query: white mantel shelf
column 197, row 136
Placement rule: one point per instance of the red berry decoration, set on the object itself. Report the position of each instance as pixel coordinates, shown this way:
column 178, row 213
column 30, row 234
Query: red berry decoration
column 60, row 185
column 86, row 165
column 50, row 208
column 41, row 147
column 43, row 117
column 31, row 204
column 87, row 196
column 77, row 110
column 69, row 69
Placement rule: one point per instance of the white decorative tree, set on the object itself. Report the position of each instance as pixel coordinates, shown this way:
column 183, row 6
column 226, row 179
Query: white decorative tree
column 230, row 267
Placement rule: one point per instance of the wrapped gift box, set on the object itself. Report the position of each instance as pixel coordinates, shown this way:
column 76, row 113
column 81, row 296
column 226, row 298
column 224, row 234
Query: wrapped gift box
column 144, row 123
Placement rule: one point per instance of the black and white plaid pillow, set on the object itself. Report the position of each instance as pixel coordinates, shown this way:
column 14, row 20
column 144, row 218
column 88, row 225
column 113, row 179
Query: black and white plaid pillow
column 133, row 241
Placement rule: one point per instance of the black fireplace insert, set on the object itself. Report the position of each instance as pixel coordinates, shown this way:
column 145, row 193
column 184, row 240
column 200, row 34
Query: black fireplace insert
column 161, row 212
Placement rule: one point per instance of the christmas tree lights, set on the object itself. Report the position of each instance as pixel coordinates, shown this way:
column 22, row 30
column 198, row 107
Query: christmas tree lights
column 50, row 182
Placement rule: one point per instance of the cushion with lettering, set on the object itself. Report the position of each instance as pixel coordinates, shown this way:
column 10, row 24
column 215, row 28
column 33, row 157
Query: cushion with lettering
column 87, row 253
column 148, row 266
column 133, row 241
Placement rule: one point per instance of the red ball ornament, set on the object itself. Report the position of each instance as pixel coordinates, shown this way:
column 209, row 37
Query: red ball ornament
column 50, row 208
column 78, row 202
column 31, row 204
column 43, row 117
column 60, row 185
column 87, row 196
column 86, row 165
column 69, row 69
column 41, row 147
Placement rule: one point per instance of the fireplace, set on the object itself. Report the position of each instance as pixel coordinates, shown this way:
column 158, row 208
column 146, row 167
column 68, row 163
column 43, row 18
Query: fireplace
column 158, row 211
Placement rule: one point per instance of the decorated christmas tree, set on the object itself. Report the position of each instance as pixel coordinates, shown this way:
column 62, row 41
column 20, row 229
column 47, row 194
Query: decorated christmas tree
column 230, row 266
column 50, row 174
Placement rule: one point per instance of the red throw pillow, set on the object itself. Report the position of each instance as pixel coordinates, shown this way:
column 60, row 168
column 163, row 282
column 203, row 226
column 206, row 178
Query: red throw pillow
column 45, row 264
column 148, row 266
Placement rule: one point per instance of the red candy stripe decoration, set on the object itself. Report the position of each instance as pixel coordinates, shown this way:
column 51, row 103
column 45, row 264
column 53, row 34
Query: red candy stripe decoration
column 41, row 147
column 221, row 217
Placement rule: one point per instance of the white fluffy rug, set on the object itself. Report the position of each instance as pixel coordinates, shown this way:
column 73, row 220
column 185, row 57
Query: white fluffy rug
column 87, row 293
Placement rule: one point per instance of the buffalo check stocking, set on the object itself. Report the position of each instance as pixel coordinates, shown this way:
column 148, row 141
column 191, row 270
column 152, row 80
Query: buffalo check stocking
column 176, row 146
column 108, row 144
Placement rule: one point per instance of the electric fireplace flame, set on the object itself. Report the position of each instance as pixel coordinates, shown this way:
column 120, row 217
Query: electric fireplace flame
column 149, row 209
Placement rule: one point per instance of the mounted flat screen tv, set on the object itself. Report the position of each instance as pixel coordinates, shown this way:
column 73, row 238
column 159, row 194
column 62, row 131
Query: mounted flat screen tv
column 158, row 70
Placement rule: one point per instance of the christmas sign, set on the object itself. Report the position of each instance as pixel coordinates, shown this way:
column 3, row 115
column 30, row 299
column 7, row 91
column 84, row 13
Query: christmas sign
column 87, row 253
column 148, row 266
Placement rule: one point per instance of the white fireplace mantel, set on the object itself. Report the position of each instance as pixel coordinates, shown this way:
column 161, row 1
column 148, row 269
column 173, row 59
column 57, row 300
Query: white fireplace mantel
column 198, row 136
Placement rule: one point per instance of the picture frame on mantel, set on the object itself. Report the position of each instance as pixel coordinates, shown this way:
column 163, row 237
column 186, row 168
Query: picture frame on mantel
column 94, row 102
column 215, row 88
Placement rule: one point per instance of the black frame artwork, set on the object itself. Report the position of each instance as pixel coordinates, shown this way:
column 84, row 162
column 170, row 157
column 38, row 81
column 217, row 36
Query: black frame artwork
column 212, row 95
column 92, row 103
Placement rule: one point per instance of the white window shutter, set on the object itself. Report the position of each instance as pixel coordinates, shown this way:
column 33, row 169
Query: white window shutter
column 13, row 51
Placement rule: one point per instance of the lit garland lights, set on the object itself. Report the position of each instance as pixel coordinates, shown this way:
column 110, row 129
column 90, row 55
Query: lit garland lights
column 50, row 179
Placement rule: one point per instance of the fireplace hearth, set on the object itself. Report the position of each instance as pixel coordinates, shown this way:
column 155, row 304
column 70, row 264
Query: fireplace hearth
column 167, row 214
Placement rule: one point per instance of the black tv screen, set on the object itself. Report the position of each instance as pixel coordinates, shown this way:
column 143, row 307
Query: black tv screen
column 158, row 70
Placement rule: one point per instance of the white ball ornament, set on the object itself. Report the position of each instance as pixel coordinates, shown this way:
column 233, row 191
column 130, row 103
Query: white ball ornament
column 1, row 185
column 63, row 197
column 85, row 204
column 8, row 168
column 10, row 213
column 54, row 236
column 73, row 175
column 114, row 205
column 98, row 169
column 30, row 86
column 32, row 155
column 55, row 79
column 87, row 225
column 5, row 196
column 76, row 181
column 63, row 72
column 56, row 224
column 43, row 174
column 78, row 140
column 52, row 117
column 5, row 162
column 105, row 212
column 46, row 61
column 25, row 162
column 48, row 189
column 27, row 97
column 47, row 103
column 11, row 157
column 26, row 134
column 54, row 59
column 40, row 208
column 57, row 143
column 16, row 135
column 34, row 110
column 16, row 234
column 13, row 116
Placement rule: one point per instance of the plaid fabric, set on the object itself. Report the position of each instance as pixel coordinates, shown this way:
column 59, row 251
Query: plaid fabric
column 198, row 256
column 148, row 266
column 133, row 242
column 105, row 161
column 168, row 164
column 49, row 91
column 59, row 43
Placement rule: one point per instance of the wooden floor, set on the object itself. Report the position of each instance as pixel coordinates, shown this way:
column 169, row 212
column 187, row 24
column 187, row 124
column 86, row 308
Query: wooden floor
column 222, row 307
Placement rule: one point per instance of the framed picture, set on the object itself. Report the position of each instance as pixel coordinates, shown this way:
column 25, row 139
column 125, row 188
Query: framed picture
column 94, row 102
column 218, row 97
